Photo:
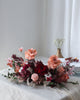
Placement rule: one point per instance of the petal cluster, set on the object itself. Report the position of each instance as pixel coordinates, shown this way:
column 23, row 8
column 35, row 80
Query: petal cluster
column 53, row 62
column 30, row 54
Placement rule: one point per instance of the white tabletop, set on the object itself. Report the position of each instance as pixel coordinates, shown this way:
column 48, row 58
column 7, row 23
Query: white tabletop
column 13, row 91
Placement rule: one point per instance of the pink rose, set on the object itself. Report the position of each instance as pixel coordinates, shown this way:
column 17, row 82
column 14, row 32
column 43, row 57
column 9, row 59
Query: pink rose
column 34, row 77
column 21, row 49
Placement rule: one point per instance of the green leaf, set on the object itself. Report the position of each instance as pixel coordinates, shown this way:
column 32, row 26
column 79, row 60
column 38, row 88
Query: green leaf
column 18, row 64
column 51, row 83
column 13, row 64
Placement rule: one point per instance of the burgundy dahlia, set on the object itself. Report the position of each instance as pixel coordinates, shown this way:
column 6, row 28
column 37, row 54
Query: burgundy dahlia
column 17, row 58
column 25, row 67
column 25, row 73
column 40, row 68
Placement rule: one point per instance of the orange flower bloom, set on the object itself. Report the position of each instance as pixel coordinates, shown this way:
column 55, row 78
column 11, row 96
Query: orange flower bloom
column 17, row 68
column 30, row 54
column 9, row 62
column 53, row 62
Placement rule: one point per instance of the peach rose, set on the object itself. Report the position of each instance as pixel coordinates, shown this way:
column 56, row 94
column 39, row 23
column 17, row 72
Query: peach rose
column 53, row 62
column 34, row 77
column 21, row 49
column 30, row 54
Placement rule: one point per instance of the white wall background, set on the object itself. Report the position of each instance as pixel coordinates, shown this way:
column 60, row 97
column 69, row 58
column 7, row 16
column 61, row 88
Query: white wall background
column 54, row 25
column 21, row 24
column 62, row 20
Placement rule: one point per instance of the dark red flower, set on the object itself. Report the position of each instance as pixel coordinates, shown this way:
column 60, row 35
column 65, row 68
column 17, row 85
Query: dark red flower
column 25, row 67
column 17, row 58
column 68, row 58
column 49, row 78
column 40, row 68
column 25, row 73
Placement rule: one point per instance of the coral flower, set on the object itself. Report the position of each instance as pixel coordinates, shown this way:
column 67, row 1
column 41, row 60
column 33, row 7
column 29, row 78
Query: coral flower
column 21, row 49
column 53, row 62
column 30, row 54
column 34, row 77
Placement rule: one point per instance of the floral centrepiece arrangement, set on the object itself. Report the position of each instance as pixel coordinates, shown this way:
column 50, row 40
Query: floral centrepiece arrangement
column 34, row 72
